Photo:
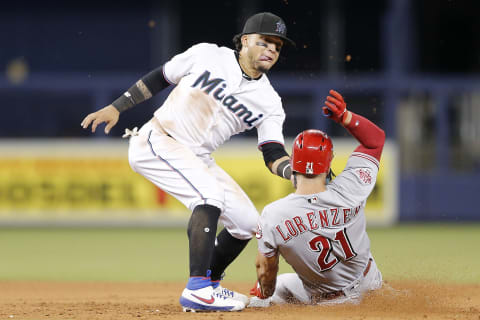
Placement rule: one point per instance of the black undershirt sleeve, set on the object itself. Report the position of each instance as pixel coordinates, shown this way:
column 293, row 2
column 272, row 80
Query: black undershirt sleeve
column 155, row 81
column 272, row 151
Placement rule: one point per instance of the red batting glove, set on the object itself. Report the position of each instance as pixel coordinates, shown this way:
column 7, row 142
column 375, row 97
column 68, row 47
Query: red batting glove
column 335, row 108
column 257, row 291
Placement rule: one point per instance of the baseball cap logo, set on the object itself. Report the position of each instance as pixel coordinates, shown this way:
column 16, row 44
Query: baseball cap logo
column 281, row 28
column 265, row 23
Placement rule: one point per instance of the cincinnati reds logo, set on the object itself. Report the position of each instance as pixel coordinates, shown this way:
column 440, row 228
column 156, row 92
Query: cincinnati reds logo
column 364, row 175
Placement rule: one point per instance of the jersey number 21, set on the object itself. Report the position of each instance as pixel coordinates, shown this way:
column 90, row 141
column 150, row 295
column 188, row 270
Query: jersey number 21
column 324, row 246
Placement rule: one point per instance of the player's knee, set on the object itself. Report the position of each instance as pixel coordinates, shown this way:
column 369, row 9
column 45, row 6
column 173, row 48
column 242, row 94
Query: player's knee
column 210, row 194
column 242, row 228
column 249, row 220
column 206, row 211
column 241, row 234
column 213, row 198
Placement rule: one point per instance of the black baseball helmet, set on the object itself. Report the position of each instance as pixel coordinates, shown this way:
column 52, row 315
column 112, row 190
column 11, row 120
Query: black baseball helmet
column 265, row 23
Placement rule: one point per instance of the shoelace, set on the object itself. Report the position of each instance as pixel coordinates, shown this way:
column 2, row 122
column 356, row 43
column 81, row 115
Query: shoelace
column 130, row 133
column 223, row 291
column 227, row 292
column 220, row 295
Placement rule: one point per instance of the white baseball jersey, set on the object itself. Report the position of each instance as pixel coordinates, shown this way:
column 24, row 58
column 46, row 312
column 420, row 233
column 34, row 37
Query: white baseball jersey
column 213, row 101
column 323, row 236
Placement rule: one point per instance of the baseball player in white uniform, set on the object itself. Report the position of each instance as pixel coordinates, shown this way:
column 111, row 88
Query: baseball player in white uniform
column 219, row 92
column 320, row 230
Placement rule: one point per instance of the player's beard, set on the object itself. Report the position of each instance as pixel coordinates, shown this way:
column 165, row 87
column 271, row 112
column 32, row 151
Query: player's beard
column 258, row 65
column 262, row 69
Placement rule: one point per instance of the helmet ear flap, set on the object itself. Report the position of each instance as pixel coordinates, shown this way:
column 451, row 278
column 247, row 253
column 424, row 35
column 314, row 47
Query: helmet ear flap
column 330, row 176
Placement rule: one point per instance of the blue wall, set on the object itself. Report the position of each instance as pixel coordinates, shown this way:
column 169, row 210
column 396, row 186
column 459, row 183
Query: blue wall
column 78, row 58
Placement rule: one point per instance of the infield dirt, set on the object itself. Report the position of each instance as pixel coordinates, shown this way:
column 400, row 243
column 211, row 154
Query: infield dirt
column 59, row 300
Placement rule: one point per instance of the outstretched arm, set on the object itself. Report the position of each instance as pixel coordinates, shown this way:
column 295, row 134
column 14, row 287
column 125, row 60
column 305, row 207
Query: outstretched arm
column 370, row 136
column 142, row 90
column 267, row 269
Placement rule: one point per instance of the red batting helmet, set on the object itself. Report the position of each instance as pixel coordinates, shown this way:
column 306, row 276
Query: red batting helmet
column 312, row 152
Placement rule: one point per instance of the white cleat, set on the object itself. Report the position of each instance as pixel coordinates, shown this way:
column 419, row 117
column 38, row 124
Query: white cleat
column 232, row 294
column 207, row 300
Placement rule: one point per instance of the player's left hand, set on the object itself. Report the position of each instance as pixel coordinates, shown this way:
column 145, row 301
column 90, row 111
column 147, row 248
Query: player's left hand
column 335, row 107
column 109, row 115
column 257, row 291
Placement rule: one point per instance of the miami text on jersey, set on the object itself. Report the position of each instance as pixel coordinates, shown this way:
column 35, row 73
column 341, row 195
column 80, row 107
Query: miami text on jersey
column 239, row 109
column 325, row 218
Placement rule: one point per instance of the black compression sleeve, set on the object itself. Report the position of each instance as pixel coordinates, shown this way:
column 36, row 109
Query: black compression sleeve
column 155, row 81
column 272, row 151
column 201, row 231
column 124, row 102
column 144, row 89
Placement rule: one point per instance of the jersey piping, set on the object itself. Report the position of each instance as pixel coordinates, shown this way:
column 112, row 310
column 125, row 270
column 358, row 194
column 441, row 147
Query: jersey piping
column 366, row 156
column 173, row 168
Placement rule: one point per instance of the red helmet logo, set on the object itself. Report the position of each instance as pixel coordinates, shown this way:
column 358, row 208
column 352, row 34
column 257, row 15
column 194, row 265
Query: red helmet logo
column 312, row 152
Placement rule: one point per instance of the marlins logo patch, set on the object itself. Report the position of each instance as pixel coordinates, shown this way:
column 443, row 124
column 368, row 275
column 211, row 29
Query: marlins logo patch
column 281, row 27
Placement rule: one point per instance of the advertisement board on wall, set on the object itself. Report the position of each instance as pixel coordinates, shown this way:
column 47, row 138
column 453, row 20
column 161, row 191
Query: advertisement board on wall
column 90, row 182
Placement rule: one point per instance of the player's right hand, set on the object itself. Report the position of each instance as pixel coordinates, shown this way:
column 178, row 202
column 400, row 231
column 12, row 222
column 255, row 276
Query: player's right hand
column 109, row 115
column 335, row 107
